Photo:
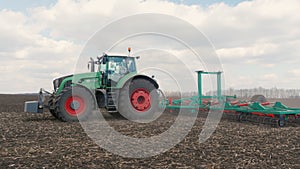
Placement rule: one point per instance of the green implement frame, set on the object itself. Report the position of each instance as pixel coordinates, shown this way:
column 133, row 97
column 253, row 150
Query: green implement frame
column 243, row 109
column 200, row 101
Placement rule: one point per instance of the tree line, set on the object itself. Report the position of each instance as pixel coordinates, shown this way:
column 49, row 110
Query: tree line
column 269, row 93
column 245, row 93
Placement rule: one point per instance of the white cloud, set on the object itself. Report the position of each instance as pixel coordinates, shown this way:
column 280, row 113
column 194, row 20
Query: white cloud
column 294, row 72
column 255, row 37
column 269, row 77
column 29, row 57
column 258, row 49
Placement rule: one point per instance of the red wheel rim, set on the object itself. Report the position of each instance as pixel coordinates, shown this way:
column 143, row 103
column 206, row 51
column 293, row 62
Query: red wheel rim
column 141, row 100
column 75, row 105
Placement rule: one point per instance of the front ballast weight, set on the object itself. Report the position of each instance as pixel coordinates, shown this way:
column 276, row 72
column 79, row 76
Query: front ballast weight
column 256, row 110
column 37, row 106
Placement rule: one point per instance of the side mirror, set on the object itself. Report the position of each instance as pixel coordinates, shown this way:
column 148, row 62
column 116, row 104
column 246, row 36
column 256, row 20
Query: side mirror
column 104, row 60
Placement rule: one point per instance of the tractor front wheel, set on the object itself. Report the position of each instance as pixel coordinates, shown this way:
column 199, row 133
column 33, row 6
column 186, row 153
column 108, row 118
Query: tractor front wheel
column 74, row 103
column 51, row 105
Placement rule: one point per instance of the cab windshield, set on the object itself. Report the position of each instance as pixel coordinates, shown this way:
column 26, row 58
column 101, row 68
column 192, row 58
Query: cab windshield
column 121, row 65
column 117, row 67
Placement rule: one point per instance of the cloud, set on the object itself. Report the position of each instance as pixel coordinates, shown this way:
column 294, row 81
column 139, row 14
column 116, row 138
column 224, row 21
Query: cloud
column 27, row 56
column 268, row 77
column 294, row 72
column 259, row 37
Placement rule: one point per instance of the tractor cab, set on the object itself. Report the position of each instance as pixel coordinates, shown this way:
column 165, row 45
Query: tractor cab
column 113, row 68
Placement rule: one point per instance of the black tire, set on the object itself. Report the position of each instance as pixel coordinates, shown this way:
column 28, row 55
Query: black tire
column 51, row 105
column 84, row 104
column 161, row 98
column 138, row 100
column 53, row 112
column 259, row 98
column 242, row 117
column 281, row 123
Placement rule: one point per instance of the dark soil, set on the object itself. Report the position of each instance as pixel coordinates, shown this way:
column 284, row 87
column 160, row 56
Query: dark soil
column 41, row 141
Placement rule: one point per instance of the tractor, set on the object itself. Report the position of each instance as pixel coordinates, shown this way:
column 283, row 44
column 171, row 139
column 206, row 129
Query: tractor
column 112, row 83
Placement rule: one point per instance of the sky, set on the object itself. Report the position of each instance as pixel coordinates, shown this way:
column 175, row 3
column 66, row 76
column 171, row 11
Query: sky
column 25, row 4
column 257, row 41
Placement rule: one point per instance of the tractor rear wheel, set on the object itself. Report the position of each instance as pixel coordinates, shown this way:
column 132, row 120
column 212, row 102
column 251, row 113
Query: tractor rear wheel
column 138, row 100
column 74, row 103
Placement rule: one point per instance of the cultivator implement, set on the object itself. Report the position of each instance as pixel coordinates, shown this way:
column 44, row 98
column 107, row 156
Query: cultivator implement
column 256, row 110
column 267, row 113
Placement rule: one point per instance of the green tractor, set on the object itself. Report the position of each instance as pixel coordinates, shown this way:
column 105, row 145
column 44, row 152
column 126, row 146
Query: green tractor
column 113, row 83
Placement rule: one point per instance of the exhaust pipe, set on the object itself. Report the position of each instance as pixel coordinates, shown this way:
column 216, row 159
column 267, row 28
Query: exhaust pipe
column 92, row 63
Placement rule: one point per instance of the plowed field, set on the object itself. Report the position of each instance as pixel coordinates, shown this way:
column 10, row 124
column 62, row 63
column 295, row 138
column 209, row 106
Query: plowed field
column 39, row 140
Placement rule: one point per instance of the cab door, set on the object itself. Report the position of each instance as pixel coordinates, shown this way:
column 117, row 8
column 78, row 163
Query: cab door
column 103, row 72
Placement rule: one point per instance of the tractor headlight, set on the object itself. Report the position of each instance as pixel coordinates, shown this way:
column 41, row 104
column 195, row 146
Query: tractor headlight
column 57, row 82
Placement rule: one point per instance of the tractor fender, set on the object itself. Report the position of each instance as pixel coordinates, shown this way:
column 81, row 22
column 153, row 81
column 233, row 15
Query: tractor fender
column 67, row 81
column 136, row 76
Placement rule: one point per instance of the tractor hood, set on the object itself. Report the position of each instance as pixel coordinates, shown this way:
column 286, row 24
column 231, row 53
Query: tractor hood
column 58, row 81
column 89, row 80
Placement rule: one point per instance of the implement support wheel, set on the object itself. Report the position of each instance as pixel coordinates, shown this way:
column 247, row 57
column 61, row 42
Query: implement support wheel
column 259, row 98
